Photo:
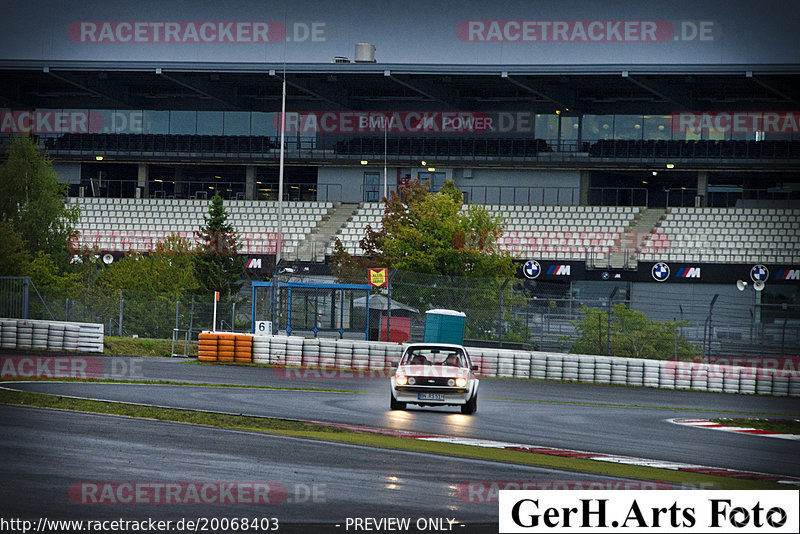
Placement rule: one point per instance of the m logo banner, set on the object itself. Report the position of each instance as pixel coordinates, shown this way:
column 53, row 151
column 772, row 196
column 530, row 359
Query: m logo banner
column 560, row 270
column 688, row 272
column 788, row 274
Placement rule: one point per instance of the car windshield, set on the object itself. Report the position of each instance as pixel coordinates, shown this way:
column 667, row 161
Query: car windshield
column 435, row 356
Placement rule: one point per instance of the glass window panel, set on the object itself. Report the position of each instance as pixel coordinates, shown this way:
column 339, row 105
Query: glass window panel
column 101, row 121
column 263, row 124
column 209, row 122
column 303, row 308
column 569, row 128
column 658, row 127
column 628, row 127
column 236, row 123
column 596, row 127
column 547, row 127
column 156, row 122
column 182, row 122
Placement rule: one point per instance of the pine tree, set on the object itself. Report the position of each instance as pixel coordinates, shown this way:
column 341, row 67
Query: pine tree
column 218, row 266
column 32, row 201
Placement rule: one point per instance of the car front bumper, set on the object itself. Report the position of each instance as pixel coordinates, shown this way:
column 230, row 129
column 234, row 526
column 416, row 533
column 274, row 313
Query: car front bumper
column 432, row 396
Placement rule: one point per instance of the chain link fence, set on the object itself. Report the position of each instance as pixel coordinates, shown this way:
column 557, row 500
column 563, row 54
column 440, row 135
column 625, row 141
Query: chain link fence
column 144, row 314
column 512, row 313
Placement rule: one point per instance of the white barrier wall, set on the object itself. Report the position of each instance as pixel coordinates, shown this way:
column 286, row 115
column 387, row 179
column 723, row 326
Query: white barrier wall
column 51, row 335
column 665, row 374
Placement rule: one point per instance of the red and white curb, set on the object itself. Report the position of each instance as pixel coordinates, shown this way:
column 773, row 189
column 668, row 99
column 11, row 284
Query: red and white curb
column 705, row 423
column 629, row 460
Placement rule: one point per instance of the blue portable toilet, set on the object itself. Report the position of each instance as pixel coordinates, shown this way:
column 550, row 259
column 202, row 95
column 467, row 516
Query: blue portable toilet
column 444, row 326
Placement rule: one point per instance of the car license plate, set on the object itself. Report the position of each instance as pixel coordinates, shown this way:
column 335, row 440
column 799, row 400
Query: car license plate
column 430, row 396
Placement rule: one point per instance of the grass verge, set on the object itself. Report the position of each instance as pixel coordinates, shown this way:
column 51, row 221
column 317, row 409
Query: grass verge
column 285, row 427
column 128, row 346
column 781, row 426
column 172, row 383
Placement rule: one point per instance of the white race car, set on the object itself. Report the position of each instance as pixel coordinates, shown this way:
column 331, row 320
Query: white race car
column 434, row 374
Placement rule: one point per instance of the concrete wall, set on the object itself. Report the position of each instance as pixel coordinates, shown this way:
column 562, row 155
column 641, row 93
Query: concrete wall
column 340, row 184
column 68, row 173
column 520, row 186
column 666, row 302
column 482, row 186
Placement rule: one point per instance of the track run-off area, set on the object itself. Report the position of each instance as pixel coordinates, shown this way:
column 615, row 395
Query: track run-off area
column 59, row 463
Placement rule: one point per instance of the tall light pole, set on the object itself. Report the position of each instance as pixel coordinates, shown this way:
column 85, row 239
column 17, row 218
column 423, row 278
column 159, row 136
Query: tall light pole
column 279, row 249
column 385, row 150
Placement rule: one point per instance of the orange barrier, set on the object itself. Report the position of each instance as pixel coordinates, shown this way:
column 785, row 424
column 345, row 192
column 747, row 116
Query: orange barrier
column 243, row 348
column 207, row 347
column 225, row 347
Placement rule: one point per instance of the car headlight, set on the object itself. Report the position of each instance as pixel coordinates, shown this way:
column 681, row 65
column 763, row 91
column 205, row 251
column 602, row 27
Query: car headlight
column 461, row 381
column 401, row 380
column 412, row 381
column 451, row 382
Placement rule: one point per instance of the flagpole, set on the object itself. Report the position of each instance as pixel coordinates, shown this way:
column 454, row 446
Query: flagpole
column 385, row 149
column 279, row 249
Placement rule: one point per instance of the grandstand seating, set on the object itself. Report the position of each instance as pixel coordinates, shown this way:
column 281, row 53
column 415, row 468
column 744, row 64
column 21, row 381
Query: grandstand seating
column 545, row 232
column 725, row 235
column 620, row 148
column 703, row 235
column 123, row 224
column 368, row 213
column 563, row 232
column 149, row 143
column 428, row 146
column 443, row 146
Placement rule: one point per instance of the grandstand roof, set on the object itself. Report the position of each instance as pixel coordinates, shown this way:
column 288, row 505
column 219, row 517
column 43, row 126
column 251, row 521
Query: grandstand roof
column 596, row 89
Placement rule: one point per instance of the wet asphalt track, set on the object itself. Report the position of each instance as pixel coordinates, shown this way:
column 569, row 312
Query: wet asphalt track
column 46, row 452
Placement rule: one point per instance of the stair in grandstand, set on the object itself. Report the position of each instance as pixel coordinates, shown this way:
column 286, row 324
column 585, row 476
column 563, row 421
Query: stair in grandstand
column 313, row 248
column 634, row 237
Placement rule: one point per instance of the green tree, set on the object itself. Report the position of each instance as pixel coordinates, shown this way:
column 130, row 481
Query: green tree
column 32, row 201
column 430, row 233
column 633, row 335
column 150, row 284
column 446, row 257
column 44, row 274
column 14, row 257
column 167, row 270
column 217, row 264
column 344, row 267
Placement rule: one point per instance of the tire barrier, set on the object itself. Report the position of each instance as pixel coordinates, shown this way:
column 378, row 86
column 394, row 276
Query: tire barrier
column 360, row 360
column 227, row 347
column 311, row 352
column 327, row 353
column 294, row 351
column 375, row 356
column 54, row 336
column 277, row 350
column 243, row 348
column 207, row 346
column 344, row 353
column 261, row 349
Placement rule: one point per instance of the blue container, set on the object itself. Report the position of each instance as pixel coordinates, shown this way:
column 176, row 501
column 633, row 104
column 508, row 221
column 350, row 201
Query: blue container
column 444, row 326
